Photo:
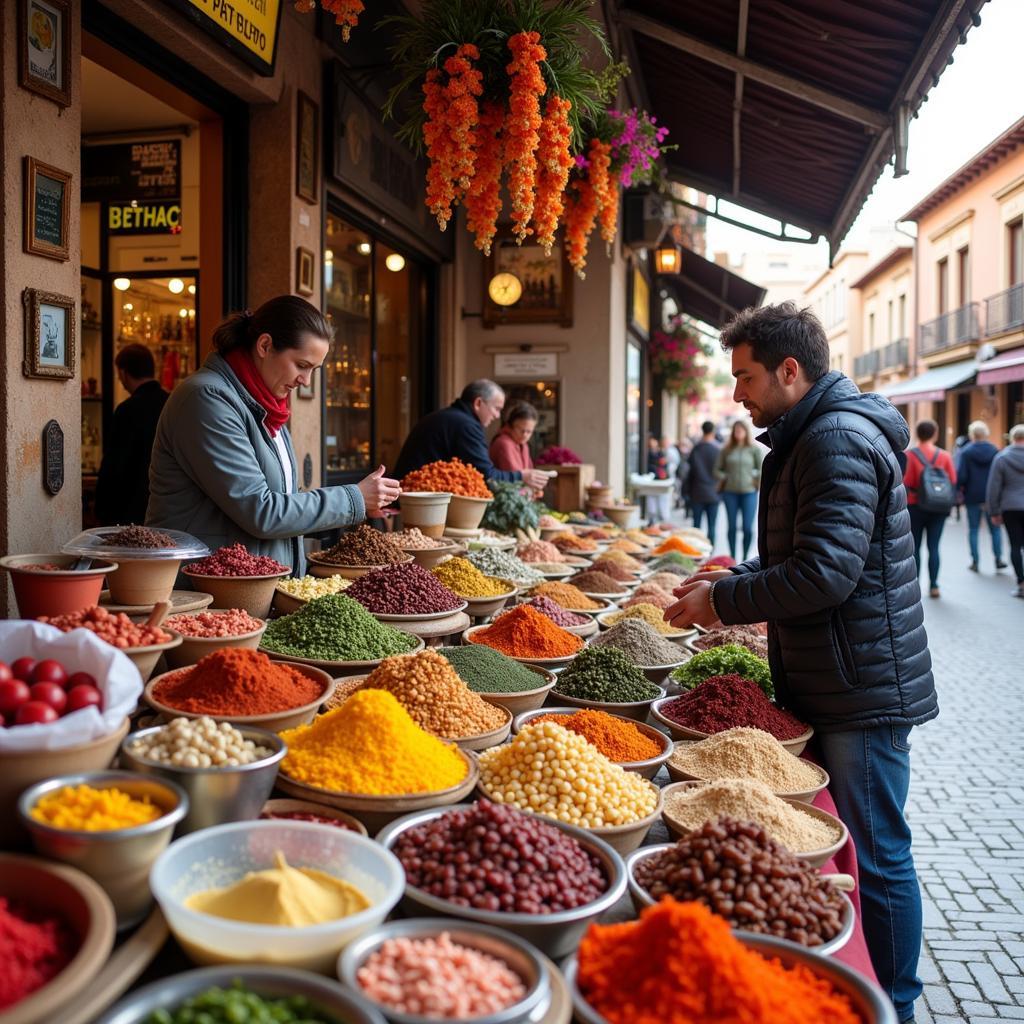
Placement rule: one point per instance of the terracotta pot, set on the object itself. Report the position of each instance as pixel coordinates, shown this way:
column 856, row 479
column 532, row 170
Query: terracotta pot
column 44, row 592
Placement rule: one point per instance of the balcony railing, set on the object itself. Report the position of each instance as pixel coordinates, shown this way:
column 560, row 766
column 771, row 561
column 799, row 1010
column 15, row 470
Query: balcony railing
column 867, row 364
column 1004, row 311
column 957, row 327
column 895, row 355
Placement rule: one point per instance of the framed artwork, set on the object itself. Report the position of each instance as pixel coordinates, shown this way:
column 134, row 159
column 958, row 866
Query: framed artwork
column 307, row 163
column 49, row 335
column 44, row 48
column 304, row 271
column 47, row 210
column 542, row 289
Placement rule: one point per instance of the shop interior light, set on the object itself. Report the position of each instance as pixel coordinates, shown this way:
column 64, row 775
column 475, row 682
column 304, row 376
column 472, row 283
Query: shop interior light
column 191, row 289
column 128, row 306
column 363, row 248
column 176, row 285
column 122, row 284
column 328, row 255
column 395, row 261
column 667, row 257
column 183, row 312
column 191, row 312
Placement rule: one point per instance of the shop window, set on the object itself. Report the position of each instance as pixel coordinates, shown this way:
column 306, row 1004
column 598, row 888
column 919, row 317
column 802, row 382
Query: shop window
column 963, row 412
column 942, row 285
column 963, row 274
column 1015, row 251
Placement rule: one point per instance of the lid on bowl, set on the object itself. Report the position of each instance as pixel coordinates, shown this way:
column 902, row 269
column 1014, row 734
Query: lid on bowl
column 97, row 543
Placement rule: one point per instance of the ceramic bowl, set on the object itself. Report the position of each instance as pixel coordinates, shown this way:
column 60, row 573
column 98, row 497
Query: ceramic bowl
column 195, row 648
column 636, row 710
column 253, row 594
column 426, row 510
column 524, row 700
column 48, row 592
column 286, row 805
column 146, row 658
column 466, row 513
column 342, row 668
column 549, row 663
column 349, row 572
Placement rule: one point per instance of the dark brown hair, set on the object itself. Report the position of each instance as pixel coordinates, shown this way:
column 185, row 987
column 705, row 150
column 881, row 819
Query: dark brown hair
column 732, row 442
column 136, row 361
column 926, row 430
column 285, row 318
column 777, row 332
column 520, row 411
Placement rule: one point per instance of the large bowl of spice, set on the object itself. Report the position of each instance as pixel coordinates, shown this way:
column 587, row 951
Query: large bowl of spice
column 484, row 595
column 528, row 636
column 306, row 810
column 603, row 678
column 405, row 593
column 499, row 679
column 655, row 655
column 573, row 622
column 645, row 612
column 526, row 897
column 358, row 552
column 569, row 597
column 426, row 550
column 237, row 579
column 47, row 584
column 206, row 631
column 243, row 687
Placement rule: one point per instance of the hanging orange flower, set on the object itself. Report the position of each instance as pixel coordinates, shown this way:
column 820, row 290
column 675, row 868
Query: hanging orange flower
column 346, row 14
column 553, row 164
column 440, row 181
column 608, row 215
column 465, row 83
column 591, row 195
column 483, row 197
column 521, row 126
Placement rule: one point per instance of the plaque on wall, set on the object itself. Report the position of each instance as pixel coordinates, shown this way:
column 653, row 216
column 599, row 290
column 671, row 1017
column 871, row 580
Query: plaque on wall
column 53, row 457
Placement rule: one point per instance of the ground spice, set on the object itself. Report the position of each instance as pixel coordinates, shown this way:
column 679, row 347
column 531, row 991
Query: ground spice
column 612, row 568
column 597, row 533
column 743, row 636
column 539, row 551
column 673, row 558
column 726, row 660
column 85, row 809
column 724, row 702
column 617, row 739
column 335, row 628
column 371, row 745
column 680, row 962
column 620, row 558
column 605, row 674
column 412, row 538
column 646, row 612
column 235, row 561
column 485, row 670
column 233, row 622
column 466, row 580
column 641, row 644
column 668, row 578
column 569, row 541
column 566, row 595
column 630, row 547
column 526, row 633
column 679, row 545
column 505, row 566
column 238, row 682
column 453, row 476
column 114, row 627
column 35, row 946
column 653, row 595
column 590, row 581
column 406, row 589
column 138, row 537
column 556, row 613
column 363, row 546
column 646, row 538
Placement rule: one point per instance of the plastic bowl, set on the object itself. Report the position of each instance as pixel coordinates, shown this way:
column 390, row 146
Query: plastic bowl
column 220, row 856
column 45, row 592
column 253, row 594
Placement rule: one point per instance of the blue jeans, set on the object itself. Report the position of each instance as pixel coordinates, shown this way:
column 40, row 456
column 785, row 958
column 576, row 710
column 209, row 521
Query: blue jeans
column 870, row 772
column 974, row 514
column 709, row 510
column 744, row 505
column 930, row 524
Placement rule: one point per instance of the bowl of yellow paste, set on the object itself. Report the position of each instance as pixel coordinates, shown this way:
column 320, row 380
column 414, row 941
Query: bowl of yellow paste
column 289, row 893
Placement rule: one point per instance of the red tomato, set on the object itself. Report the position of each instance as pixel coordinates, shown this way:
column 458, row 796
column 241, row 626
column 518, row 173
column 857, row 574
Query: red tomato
column 49, row 671
column 13, row 693
column 35, row 711
column 5, row 672
column 83, row 696
column 79, row 679
column 50, row 693
column 23, row 668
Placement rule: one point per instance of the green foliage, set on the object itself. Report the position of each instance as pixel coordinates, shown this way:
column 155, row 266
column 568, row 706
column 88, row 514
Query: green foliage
column 511, row 509
column 724, row 661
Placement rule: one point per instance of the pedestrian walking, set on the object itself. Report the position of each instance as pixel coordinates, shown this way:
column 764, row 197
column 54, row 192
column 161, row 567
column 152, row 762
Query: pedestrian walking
column 738, row 472
column 930, row 480
column 835, row 579
column 702, row 482
column 972, row 472
column 1005, row 498
column 658, row 464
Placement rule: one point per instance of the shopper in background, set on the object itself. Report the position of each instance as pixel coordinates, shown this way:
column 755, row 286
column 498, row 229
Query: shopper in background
column 1005, row 498
column 930, row 479
column 122, row 488
column 703, row 483
column 673, row 460
column 510, row 448
column 657, row 464
column 973, row 466
column 738, row 472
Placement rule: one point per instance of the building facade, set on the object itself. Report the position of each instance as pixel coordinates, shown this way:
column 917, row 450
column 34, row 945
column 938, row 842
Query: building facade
column 838, row 307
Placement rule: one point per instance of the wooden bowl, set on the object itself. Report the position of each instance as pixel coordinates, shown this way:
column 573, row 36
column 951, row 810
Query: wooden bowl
column 194, row 648
column 635, row 711
column 524, row 700
column 679, row 732
column 549, row 663
column 349, row 572
column 254, row 594
column 283, row 805
column 341, row 668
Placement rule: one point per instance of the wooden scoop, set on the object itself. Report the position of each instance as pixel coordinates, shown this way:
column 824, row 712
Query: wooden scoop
column 159, row 613
column 844, row 883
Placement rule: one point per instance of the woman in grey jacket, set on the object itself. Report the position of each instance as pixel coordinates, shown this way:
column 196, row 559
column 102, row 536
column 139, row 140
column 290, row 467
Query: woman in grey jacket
column 1005, row 499
column 223, row 466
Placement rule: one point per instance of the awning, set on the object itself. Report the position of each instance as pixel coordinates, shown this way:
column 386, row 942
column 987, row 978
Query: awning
column 932, row 385
column 707, row 291
column 1006, row 368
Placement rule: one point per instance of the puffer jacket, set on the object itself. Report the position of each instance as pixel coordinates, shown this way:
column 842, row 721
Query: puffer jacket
column 972, row 469
column 835, row 576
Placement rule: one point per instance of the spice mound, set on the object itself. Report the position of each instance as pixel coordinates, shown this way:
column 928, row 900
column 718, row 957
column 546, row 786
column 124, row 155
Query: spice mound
column 35, row 946
column 229, row 1005
column 363, row 546
column 237, row 682
column 113, row 627
column 566, row 595
column 235, row 561
column 747, row 800
column 406, row 589
column 680, row 962
column 437, row 699
column 525, row 633
column 439, row 978
column 729, row 659
column 539, row 551
column 612, row 568
column 741, row 636
column 737, row 870
column 485, row 670
column 309, row 588
column 282, row 895
column 454, row 476
column 607, row 675
column 335, row 628
column 206, row 625
column 505, row 566
column 504, row 859
column 138, row 537
column 569, row 541
column 640, row 643
column 621, row 559
column 466, row 580
column 743, row 753
column 724, row 702
column 678, row 545
column 198, row 743
column 617, row 739
column 667, row 578
column 532, row 773
column 412, row 538
column 556, row 613
column 648, row 613
column 655, row 595
column 590, row 581
column 85, row 809
column 371, row 745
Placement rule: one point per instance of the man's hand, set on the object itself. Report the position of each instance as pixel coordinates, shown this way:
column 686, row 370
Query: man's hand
column 711, row 575
column 535, row 479
column 378, row 491
column 693, row 607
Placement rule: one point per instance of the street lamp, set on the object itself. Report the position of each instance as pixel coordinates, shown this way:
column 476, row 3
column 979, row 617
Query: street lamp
column 667, row 257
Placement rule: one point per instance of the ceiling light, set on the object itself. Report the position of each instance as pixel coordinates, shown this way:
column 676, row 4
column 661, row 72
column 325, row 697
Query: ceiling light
column 395, row 261
column 364, row 248
column 122, row 284
column 176, row 285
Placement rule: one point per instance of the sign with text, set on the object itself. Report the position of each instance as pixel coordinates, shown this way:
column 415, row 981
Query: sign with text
column 144, row 218
column 246, row 27
column 131, row 170
column 526, row 364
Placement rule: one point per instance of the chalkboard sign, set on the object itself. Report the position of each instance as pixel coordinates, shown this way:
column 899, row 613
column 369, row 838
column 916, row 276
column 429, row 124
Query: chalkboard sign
column 47, row 210
column 132, row 170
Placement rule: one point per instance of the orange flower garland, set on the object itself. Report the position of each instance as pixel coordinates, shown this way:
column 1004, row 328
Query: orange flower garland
column 440, row 180
column 609, row 213
column 465, row 83
column 554, row 161
column 346, row 14
column 483, row 198
column 582, row 211
column 521, row 126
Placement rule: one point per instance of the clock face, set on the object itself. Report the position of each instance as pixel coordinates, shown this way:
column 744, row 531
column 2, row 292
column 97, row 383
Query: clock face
column 505, row 289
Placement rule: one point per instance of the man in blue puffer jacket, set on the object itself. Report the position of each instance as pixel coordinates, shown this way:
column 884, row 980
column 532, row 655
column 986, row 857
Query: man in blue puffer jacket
column 972, row 469
column 836, row 581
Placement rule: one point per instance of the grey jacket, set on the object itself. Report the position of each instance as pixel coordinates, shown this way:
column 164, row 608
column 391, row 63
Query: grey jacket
column 215, row 473
column 1006, row 481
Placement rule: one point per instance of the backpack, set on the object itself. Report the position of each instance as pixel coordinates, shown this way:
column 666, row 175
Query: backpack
column 935, row 491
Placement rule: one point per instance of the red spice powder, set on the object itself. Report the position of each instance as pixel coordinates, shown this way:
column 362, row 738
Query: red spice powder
column 526, row 633
column 34, row 947
column 236, row 681
column 235, row 561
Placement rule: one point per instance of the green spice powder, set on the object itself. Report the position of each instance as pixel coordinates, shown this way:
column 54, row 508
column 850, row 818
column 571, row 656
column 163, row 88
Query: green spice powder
column 485, row 670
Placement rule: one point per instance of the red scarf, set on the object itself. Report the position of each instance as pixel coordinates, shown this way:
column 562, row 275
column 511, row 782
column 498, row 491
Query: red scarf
column 277, row 409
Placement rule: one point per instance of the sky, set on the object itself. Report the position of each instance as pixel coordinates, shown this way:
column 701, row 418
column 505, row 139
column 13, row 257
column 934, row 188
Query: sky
column 978, row 97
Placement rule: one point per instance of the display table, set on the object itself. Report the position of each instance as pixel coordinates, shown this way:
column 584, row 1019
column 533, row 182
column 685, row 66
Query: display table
column 567, row 491
column 648, row 488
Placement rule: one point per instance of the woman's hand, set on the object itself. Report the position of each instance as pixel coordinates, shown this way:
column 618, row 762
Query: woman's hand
column 378, row 491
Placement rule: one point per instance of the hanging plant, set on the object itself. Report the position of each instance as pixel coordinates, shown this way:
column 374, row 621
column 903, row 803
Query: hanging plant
column 679, row 355
column 346, row 12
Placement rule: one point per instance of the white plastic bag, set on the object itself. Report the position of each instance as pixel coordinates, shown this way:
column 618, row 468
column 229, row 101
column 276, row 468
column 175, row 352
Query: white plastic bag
column 78, row 651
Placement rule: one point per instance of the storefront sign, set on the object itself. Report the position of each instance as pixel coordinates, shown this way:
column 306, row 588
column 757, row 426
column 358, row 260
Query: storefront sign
column 132, row 170
column 526, row 364
column 144, row 218
column 246, row 27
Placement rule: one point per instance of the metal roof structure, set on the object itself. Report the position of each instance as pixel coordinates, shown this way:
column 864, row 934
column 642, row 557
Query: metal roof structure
column 709, row 291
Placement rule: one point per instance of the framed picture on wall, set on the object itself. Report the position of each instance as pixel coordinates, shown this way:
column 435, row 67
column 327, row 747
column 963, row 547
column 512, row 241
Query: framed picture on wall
column 44, row 48
column 304, row 271
column 47, row 219
column 307, row 163
column 49, row 335
column 522, row 285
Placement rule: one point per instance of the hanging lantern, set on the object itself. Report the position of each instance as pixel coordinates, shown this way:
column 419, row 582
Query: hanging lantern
column 667, row 257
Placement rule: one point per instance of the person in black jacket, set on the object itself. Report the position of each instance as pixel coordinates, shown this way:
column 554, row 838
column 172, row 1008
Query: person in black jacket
column 973, row 465
column 458, row 432
column 836, row 581
column 122, row 488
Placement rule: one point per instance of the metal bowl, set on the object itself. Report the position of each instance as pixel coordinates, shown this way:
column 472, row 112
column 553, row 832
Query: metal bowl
column 220, row 793
column 555, row 935
column 170, row 993
column 495, row 942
